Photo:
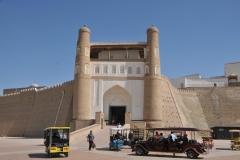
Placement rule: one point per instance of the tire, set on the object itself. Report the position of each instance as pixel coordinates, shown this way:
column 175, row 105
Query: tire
column 139, row 151
column 191, row 153
column 110, row 147
column 118, row 147
column 66, row 154
column 49, row 154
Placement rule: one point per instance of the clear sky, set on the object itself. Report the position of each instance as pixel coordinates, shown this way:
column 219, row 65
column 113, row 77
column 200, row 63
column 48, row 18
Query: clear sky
column 38, row 37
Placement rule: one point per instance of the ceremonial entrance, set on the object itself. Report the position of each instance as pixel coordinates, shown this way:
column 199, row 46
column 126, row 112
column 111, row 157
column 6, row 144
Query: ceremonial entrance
column 117, row 115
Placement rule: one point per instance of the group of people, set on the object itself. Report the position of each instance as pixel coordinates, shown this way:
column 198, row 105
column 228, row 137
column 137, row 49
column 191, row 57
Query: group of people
column 159, row 137
column 172, row 138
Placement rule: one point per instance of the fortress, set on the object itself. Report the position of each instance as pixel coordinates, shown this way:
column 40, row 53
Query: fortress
column 124, row 82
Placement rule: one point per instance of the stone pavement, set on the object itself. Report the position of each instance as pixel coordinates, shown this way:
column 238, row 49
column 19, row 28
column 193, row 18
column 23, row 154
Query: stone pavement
column 18, row 148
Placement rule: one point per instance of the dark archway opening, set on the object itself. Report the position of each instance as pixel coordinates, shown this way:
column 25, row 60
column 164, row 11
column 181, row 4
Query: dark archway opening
column 117, row 115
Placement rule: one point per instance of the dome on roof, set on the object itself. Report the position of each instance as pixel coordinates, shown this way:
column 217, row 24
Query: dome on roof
column 232, row 74
column 84, row 29
column 34, row 85
column 152, row 29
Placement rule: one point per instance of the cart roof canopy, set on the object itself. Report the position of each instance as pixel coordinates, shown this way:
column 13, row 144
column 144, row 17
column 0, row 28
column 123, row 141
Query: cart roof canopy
column 175, row 129
column 234, row 130
column 57, row 128
column 120, row 128
column 206, row 130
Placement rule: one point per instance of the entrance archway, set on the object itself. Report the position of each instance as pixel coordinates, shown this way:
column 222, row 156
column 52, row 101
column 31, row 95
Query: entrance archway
column 117, row 115
column 116, row 101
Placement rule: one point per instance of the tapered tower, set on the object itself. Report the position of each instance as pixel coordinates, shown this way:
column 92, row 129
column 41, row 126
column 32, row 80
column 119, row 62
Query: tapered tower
column 152, row 80
column 81, row 95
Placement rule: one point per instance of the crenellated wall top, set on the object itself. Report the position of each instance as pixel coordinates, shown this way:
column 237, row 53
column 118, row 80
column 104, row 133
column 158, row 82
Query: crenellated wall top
column 38, row 90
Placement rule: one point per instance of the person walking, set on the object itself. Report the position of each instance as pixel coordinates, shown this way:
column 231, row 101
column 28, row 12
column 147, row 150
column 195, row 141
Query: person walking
column 130, row 138
column 90, row 139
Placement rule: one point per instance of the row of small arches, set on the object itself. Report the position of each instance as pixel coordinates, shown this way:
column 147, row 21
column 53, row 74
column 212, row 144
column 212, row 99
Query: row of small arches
column 114, row 69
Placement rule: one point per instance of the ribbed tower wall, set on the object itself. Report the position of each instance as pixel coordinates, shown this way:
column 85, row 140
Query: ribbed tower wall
column 82, row 82
column 28, row 112
column 152, row 81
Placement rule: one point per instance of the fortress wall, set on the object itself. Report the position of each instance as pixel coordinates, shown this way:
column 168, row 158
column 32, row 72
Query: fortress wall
column 45, row 109
column 170, row 114
column 30, row 112
column 192, row 111
column 182, row 107
column 15, row 110
column 221, row 105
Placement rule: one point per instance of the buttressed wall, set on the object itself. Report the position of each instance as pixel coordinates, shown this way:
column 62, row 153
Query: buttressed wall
column 181, row 108
column 221, row 105
column 30, row 111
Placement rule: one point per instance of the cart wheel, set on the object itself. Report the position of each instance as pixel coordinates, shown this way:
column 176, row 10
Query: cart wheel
column 66, row 154
column 139, row 151
column 118, row 147
column 191, row 153
column 49, row 154
column 210, row 146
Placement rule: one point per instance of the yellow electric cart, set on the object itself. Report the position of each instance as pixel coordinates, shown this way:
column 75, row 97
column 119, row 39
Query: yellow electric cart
column 56, row 141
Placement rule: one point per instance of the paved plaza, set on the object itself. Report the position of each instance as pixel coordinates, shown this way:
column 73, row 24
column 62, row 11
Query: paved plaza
column 18, row 148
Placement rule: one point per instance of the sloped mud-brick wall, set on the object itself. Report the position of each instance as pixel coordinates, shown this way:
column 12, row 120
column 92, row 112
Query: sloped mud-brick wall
column 221, row 105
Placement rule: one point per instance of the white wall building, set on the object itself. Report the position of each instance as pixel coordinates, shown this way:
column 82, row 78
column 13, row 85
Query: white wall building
column 196, row 81
column 231, row 78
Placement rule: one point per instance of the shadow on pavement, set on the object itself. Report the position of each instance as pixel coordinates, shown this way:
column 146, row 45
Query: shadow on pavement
column 223, row 148
column 38, row 155
column 106, row 149
column 22, row 138
column 166, row 156
column 44, row 155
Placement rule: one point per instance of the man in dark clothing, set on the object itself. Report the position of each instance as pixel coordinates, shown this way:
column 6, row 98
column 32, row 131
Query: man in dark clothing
column 90, row 139
column 56, row 136
column 185, row 139
column 117, row 135
column 130, row 137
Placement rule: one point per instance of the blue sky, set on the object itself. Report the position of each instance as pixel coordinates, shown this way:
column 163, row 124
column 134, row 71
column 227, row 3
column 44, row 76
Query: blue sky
column 38, row 37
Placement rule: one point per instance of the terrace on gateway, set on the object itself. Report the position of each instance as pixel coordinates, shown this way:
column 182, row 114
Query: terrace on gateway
column 118, row 51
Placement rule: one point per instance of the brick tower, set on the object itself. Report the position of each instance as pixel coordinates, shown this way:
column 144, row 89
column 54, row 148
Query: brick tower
column 152, row 113
column 81, row 91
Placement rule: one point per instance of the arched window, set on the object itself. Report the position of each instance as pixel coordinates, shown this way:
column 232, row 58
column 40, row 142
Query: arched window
column 156, row 52
column 121, row 69
column 86, row 69
column 138, row 70
column 97, row 69
column 105, row 69
column 157, row 69
column 146, row 69
column 113, row 69
column 77, row 69
column 129, row 70
column 87, row 51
